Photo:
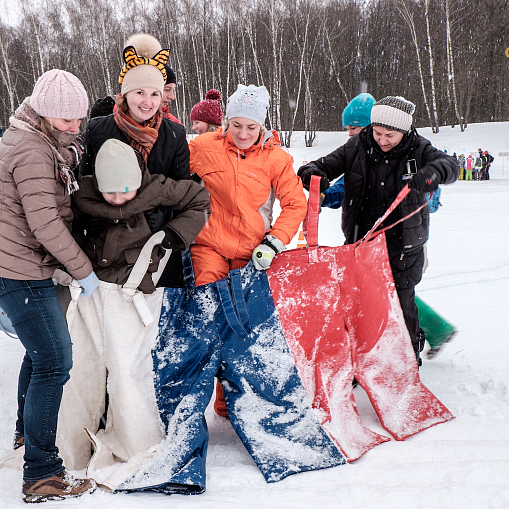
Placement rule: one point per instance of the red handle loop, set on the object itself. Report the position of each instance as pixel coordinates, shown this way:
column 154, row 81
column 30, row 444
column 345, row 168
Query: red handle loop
column 310, row 223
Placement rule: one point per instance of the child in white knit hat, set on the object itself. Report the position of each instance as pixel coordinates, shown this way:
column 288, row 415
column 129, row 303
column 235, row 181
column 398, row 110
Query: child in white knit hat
column 129, row 205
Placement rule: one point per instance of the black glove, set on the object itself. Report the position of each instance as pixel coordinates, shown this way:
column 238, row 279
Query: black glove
column 425, row 180
column 172, row 240
column 307, row 171
column 196, row 178
column 158, row 217
column 95, row 225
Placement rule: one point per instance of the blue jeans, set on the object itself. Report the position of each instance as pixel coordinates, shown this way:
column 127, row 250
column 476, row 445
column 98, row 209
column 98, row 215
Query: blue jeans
column 34, row 310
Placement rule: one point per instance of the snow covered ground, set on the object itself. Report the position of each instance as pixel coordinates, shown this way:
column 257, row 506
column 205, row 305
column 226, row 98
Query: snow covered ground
column 461, row 464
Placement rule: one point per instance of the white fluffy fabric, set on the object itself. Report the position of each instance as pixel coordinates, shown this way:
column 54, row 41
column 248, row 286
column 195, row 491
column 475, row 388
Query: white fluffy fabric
column 146, row 45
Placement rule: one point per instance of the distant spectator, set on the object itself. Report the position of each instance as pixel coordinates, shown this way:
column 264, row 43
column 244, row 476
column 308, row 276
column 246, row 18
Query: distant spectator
column 479, row 165
column 489, row 160
column 461, row 163
column 469, row 162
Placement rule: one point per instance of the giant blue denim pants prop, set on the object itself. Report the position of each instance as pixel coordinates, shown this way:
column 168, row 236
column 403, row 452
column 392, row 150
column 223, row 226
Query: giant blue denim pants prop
column 209, row 331
column 34, row 310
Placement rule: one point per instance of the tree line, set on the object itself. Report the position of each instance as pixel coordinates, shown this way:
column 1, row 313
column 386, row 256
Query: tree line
column 314, row 56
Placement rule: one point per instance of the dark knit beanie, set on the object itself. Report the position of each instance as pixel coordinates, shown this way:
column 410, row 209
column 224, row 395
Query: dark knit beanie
column 102, row 107
column 209, row 110
column 393, row 113
column 171, row 77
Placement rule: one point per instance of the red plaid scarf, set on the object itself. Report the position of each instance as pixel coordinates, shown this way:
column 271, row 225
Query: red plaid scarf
column 141, row 138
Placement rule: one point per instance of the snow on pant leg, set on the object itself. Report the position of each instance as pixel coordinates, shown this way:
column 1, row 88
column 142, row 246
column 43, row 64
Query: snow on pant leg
column 132, row 424
column 185, row 360
column 384, row 360
column 83, row 400
column 209, row 266
column 310, row 308
column 267, row 403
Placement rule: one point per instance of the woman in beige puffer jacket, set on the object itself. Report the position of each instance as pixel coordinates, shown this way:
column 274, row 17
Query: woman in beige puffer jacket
column 36, row 179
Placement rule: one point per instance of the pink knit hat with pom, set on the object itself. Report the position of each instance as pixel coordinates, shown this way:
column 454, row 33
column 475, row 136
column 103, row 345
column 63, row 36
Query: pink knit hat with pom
column 209, row 110
column 59, row 94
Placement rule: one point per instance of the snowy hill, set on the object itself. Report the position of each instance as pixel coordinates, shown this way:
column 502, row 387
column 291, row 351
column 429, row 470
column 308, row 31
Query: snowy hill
column 461, row 464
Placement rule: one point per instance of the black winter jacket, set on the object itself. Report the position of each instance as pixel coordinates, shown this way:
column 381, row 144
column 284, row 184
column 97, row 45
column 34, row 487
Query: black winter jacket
column 169, row 157
column 373, row 179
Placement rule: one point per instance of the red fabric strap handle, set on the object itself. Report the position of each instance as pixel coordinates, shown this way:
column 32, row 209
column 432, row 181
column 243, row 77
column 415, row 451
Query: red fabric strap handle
column 310, row 223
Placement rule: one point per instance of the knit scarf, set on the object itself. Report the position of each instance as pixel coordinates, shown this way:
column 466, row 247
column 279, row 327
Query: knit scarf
column 141, row 138
column 62, row 144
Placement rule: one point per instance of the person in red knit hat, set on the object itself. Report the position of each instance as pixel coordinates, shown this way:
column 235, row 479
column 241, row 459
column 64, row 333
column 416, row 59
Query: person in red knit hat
column 207, row 115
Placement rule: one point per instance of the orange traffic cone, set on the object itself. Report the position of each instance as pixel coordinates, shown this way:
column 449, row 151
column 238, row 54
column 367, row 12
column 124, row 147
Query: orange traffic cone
column 301, row 242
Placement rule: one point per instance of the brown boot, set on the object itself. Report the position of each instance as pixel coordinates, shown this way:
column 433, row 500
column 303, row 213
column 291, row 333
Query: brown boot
column 58, row 487
column 19, row 441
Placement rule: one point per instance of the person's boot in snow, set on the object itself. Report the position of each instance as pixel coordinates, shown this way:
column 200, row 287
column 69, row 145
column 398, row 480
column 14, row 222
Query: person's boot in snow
column 19, row 441
column 419, row 346
column 57, row 487
column 433, row 351
column 220, row 403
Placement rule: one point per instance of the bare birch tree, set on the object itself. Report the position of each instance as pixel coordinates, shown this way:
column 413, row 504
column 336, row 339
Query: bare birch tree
column 403, row 8
column 6, row 71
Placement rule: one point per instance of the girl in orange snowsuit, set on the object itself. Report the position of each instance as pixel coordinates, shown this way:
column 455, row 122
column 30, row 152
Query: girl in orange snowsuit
column 244, row 169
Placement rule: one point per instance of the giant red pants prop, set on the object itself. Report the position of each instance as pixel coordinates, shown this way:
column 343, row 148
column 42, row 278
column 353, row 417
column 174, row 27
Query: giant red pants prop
column 341, row 316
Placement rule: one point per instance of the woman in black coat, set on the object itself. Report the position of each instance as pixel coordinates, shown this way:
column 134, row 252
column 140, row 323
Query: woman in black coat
column 377, row 164
column 138, row 121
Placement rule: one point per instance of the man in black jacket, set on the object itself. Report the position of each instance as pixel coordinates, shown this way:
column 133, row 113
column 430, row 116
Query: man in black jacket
column 377, row 164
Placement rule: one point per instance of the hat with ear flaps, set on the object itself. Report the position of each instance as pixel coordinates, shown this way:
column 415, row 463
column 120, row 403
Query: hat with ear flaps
column 250, row 102
column 144, row 64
